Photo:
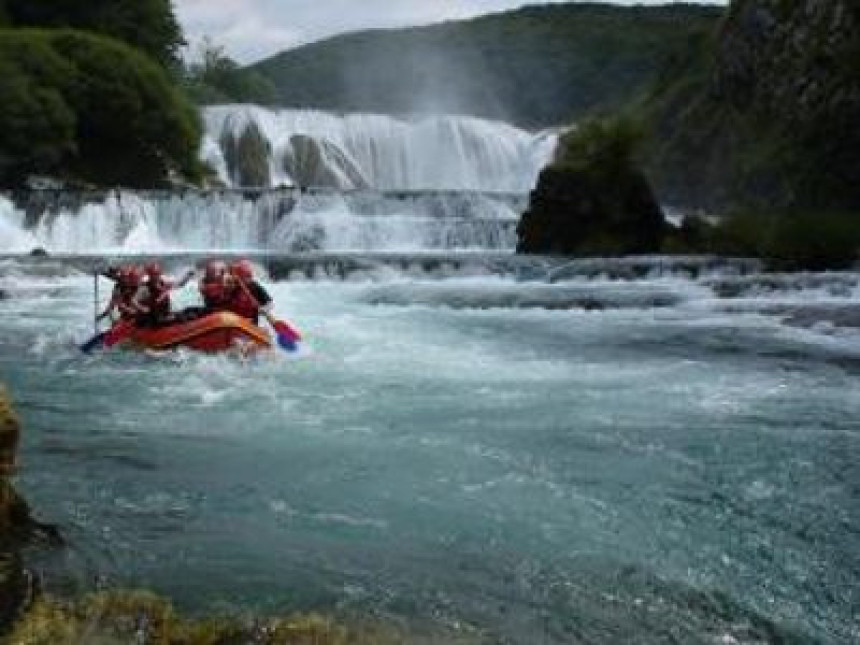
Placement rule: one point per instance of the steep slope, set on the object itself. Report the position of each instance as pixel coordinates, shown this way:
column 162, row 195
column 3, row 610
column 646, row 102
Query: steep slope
column 541, row 65
column 764, row 114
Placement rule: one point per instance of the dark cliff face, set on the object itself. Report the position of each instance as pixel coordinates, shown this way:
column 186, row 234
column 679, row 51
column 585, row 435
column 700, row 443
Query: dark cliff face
column 575, row 212
column 771, row 120
column 793, row 59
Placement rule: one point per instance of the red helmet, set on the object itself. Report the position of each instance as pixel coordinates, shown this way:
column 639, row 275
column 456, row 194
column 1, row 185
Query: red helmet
column 131, row 276
column 153, row 270
column 242, row 269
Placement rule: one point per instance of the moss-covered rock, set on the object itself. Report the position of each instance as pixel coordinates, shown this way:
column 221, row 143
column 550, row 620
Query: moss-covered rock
column 593, row 200
column 15, row 522
column 123, row 617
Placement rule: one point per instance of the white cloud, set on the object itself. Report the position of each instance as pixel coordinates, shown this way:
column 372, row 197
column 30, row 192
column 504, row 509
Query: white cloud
column 253, row 29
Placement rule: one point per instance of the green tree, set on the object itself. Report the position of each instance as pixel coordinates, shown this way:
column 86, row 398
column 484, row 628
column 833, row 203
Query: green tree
column 93, row 109
column 37, row 126
column 149, row 25
column 219, row 79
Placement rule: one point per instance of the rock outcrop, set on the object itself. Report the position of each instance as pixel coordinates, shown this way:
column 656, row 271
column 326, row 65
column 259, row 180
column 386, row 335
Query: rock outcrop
column 15, row 522
column 321, row 164
column 247, row 157
column 593, row 200
column 572, row 212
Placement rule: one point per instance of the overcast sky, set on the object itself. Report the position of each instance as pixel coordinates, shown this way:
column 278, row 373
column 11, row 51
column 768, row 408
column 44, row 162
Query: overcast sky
column 253, row 29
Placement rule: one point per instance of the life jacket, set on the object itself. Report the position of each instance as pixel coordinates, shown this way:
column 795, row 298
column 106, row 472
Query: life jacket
column 243, row 304
column 158, row 297
column 214, row 293
column 125, row 305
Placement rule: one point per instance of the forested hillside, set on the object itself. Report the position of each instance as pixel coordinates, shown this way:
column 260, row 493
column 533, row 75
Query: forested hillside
column 763, row 113
column 537, row 66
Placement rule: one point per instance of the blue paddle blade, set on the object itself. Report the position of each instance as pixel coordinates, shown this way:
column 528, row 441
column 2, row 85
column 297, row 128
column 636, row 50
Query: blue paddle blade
column 287, row 343
column 93, row 343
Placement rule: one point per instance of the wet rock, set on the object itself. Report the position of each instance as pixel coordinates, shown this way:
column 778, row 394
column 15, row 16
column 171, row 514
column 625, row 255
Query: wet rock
column 14, row 519
column 10, row 434
column 39, row 252
column 321, row 164
column 143, row 617
column 247, row 157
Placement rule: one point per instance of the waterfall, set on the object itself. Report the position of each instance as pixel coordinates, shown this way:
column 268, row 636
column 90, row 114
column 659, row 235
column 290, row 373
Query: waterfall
column 278, row 221
column 249, row 145
column 322, row 182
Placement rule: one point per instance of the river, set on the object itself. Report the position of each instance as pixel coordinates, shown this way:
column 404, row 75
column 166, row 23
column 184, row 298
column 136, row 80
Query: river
column 530, row 450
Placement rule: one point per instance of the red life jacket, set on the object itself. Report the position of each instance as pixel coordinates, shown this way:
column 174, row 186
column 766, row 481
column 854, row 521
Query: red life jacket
column 158, row 297
column 125, row 295
column 243, row 304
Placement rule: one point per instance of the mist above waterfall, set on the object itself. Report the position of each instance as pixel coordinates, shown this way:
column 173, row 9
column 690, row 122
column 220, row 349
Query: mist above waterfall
column 318, row 149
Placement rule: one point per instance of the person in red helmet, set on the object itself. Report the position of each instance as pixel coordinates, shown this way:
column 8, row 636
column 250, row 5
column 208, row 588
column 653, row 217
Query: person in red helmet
column 213, row 286
column 128, row 279
column 152, row 299
column 245, row 296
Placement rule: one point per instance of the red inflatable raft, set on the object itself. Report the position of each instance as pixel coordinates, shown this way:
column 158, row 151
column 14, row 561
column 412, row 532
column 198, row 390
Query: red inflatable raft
column 215, row 332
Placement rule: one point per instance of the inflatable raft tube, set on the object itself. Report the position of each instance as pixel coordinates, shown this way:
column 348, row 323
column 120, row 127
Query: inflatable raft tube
column 220, row 331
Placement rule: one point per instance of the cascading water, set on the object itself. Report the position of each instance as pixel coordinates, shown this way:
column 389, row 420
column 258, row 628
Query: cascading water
column 317, row 149
column 285, row 221
column 370, row 183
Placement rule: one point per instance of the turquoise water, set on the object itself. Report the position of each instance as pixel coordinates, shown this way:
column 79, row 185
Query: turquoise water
column 582, row 461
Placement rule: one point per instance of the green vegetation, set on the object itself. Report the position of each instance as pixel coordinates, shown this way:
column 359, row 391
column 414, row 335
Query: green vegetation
column 97, row 103
column 119, row 618
column 759, row 118
column 218, row 79
column 537, row 66
column 787, row 241
column 602, row 146
column 148, row 25
column 81, row 106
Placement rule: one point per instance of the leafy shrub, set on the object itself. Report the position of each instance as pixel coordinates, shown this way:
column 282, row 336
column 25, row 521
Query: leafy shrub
column 89, row 107
column 600, row 146
column 787, row 241
column 149, row 25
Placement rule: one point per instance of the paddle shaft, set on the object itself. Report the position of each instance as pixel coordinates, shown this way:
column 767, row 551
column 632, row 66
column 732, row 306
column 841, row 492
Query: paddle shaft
column 96, row 301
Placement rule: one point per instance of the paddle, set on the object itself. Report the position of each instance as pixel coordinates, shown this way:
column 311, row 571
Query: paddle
column 288, row 336
column 98, row 337
column 93, row 343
